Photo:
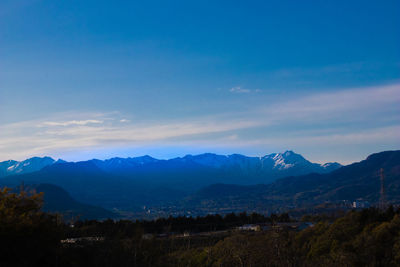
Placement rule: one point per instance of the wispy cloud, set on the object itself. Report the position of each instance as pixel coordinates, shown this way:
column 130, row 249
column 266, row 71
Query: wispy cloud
column 40, row 137
column 388, row 134
column 73, row 122
column 355, row 117
column 240, row 90
column 373, row 104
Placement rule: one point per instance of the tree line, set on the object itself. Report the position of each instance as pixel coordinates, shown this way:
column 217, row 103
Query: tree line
column 30, row 237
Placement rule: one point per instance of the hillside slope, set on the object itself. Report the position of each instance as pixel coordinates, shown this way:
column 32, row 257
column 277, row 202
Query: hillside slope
column 355, row 181
column 57, row 200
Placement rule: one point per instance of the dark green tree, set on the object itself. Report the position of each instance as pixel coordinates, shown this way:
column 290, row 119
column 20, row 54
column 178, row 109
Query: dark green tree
column 28, row 236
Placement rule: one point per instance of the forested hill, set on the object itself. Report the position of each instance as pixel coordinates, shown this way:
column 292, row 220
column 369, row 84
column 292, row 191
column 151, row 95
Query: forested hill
column 57, row 200
column 193, row 189
column 30, row 237
column 356, row 181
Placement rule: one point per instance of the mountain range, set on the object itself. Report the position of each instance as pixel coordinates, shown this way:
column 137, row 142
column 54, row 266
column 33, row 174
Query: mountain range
column 130, row 183
column 12, row 167
column 207, row 182
column 276, row 164
column 357, row 181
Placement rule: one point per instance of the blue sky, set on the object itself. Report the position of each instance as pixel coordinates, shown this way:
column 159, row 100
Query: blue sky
column 84, row 79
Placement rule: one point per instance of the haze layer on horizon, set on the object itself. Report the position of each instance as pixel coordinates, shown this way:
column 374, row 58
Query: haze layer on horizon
column 95, row 79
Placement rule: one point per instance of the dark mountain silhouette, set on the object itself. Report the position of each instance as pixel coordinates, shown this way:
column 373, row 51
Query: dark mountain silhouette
column 241, row 169
column 57, row 200
column 214, row 183
column 257, row 169
column 355, row 181
column 89, row 184
column 131, row 183
column 358, row 180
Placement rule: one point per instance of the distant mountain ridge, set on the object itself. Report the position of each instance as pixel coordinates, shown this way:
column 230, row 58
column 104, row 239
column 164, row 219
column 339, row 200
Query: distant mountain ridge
column 215, row 183
column 359, row 180
column 12, row 167
column 130, row 183
column 276, row 164
column 287, row 161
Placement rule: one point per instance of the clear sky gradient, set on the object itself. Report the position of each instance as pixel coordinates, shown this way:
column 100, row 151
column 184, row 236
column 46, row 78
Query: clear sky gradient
column 85, row 79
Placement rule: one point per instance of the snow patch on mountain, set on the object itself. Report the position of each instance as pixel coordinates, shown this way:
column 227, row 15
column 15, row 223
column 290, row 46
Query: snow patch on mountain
column 274, row 165
column 11, row 167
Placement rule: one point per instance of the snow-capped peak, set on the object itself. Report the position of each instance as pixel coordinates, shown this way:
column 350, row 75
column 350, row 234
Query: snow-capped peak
column 11, row 167
column 285, row 160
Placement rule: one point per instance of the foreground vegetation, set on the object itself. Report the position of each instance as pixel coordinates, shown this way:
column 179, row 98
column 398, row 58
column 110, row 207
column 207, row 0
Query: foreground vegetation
column 29, row 237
